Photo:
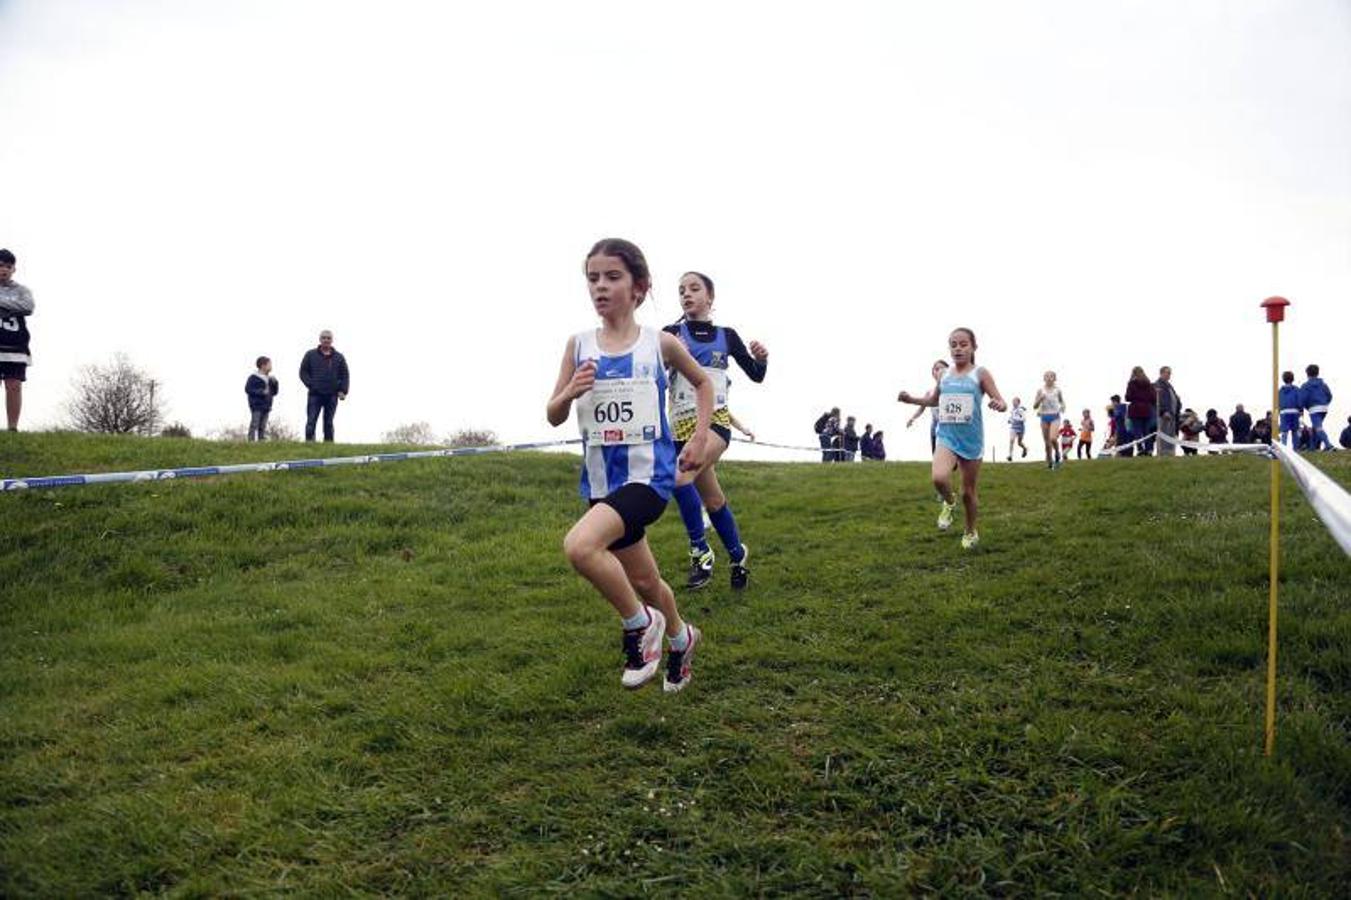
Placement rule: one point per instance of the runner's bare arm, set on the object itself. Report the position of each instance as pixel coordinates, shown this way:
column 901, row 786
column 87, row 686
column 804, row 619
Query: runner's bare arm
column 573, row 381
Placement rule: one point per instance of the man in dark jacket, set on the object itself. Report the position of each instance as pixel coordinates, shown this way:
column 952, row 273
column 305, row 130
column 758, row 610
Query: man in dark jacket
column 1240, row 425
column 324, row 372
column 850, row 435
column 1345, row 439
column 1169, row 409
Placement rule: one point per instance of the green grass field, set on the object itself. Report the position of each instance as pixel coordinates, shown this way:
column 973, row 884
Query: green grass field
column 386, row 680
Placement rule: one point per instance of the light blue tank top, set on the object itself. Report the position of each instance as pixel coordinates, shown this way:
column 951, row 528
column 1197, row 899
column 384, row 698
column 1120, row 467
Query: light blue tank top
column 967, row 438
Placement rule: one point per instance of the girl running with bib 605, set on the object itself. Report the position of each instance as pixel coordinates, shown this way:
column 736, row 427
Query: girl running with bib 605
column 961, row 432
column 617, row 376
column 713, row 348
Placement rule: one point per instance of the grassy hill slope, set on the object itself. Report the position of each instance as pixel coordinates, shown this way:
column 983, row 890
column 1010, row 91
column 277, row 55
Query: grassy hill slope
column 386, row 679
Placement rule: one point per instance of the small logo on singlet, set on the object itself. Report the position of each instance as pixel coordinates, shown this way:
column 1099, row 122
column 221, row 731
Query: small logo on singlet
column 613, row 434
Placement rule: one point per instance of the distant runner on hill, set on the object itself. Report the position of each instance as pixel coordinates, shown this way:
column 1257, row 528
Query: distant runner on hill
column 1049, row 403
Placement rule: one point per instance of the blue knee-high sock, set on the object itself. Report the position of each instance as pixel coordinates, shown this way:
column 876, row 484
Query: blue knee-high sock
column 692, row 514
column 725, row 524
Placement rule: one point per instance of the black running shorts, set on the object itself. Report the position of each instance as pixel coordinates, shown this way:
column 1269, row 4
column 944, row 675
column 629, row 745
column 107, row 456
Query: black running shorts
column 639, row 506
column 16, row 371
column 720, row 431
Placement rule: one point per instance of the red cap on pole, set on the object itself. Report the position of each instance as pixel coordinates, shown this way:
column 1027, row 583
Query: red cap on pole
column 1275, row 307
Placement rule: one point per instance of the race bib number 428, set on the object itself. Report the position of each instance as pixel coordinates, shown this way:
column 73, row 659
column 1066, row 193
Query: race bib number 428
column 620, row 411
column 956, row 409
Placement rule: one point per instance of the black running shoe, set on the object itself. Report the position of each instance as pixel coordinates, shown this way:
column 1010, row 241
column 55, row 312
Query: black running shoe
column 740, row 572
column 701, row 569
column 678, row 663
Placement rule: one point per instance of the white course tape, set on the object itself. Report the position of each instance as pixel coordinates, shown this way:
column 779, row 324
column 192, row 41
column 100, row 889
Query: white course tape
column 51, row 481
column 1264, row 449
column 803, row 448
column 1113, row 451
column 1328, row 498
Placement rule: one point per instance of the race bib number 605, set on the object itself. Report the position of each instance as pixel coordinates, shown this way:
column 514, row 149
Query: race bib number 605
column 619, row 411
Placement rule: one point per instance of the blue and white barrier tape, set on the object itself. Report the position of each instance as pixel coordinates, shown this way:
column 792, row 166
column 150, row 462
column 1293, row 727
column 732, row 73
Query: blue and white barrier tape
column 53, row 481
column 1327, row 497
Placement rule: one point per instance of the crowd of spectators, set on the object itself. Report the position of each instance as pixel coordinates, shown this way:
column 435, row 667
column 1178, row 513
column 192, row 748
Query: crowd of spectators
column 1156, row 408
column 843, row 443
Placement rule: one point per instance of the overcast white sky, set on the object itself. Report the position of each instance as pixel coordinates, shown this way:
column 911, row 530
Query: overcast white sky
column 1090, row 186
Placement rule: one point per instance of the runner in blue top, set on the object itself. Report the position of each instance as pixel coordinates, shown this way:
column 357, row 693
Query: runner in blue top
column 617, row 376
column 961, row 432
column 713, row 347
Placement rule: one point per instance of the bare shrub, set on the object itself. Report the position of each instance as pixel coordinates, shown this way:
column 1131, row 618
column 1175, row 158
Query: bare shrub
column 177, row 429
column 412, row 433
column 117, row 398
column 472, row 437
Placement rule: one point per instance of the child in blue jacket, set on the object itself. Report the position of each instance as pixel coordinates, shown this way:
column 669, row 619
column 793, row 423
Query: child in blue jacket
column 1315, row 396
column 1291, row 407
column 261, row 387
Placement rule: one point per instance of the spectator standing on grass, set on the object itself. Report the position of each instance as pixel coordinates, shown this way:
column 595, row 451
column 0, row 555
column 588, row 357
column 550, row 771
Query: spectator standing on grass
column 879, row 448
column 1216, row 431
column 1189, row 427
column 1110, row 443
column 1169, row 407
column 850, row 437
column 1314, row 396
column 1345, row 439
column 1141, row 403
column 865, row 442
column 16, row 305
column 1240, row 425
column 1261, row 430
column 1120, row 429
column 824, row 431
column 260, row 387
column 324, row 372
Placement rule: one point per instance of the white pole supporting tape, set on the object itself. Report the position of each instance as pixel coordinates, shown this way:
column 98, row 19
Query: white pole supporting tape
column 1328, row 498
column 51, row 481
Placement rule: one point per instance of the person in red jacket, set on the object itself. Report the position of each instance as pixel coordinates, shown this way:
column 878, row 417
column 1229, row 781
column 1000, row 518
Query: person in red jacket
column 1141, row 402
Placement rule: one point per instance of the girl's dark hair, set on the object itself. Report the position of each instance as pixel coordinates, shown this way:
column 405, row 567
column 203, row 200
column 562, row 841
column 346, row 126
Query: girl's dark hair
column 708, row 282
column 633, row 259
column 969, row 333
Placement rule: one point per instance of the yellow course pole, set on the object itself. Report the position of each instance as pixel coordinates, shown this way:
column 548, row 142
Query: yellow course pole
column 1275, row 307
